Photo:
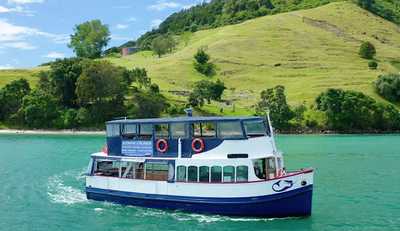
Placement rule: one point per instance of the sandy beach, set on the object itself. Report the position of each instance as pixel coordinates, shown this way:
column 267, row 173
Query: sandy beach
column 51, row 132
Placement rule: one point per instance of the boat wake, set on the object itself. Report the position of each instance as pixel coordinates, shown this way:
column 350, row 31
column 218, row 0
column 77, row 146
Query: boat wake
column 60, row 189
column 202, row 218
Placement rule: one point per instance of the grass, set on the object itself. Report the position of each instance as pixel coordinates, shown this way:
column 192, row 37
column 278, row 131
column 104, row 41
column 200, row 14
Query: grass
column 6, row 76
column 307, row 51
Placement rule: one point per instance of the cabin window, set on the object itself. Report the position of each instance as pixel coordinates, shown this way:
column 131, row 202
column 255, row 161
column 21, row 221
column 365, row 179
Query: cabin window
column 228, row 130
column 162, row 130
column 146, row 131
column 216, row 174
column 271, row 168
column 206, row 129
column 107, row 168
column 178, row 130
column 132, row 170
column 259, row 168
column 181, row 173
column 229, row 174
column 113, row 130
column 156, row 171
column 192, row 174
column 204, row 174
column 129, row 131
column 254, row 128
column 242, row 173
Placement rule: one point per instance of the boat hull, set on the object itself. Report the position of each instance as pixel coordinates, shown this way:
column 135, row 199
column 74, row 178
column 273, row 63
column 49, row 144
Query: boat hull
column 293, row 203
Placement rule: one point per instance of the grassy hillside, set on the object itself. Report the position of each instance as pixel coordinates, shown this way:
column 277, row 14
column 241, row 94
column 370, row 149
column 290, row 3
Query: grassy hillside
column 31, row 75
column 307, row 51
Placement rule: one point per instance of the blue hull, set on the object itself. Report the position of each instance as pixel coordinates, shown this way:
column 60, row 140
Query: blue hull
column 286, row 204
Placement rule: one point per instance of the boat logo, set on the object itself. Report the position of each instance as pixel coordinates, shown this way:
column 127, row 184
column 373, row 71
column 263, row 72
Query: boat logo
column 282, row 185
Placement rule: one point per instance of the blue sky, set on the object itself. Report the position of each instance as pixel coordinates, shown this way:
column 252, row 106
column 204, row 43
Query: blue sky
column 37, row 31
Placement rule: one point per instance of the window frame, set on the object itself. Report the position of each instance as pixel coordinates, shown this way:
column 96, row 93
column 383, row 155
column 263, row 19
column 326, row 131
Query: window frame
column 188, row 173
column 208, row 174
column 234, row 173
column 220, row 174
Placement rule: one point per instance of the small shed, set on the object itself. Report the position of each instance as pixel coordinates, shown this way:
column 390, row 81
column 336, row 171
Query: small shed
column 129, row 50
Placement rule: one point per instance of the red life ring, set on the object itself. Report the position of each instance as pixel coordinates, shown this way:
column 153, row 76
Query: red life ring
column 164, row 146
column 199, row 142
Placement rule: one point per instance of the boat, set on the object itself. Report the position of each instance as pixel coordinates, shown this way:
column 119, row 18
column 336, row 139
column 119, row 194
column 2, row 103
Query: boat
column 208, row 165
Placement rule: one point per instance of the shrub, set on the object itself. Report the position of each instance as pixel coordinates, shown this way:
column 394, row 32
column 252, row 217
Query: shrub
column 388, row 86
column 202, row 64
column 367, row 50
column 372, row 65
column 274, row 101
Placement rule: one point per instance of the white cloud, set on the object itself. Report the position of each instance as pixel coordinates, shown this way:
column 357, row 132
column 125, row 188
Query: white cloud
column 17, row 9
column 163, row 4
column 155, row 23
column 22, row 2
column 6, row 67
column 54, row 55
column 18, row 45
column 188, row 6
column 120, row 38
column 132, row 19
column 14, row 36
column 121, row 26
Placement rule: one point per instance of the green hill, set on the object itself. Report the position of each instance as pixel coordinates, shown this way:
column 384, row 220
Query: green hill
column 307, row 51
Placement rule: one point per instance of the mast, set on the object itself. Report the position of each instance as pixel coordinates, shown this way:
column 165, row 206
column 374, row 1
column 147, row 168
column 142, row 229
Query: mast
column 271, row 129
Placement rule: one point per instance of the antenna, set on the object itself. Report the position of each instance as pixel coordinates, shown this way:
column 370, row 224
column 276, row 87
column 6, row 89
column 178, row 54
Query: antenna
column 271, row 129
column 189, row 112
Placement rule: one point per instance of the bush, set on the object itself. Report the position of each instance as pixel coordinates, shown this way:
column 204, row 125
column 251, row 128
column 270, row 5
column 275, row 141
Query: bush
column 388, row 86
column 372, row 65
column 274, row 101
column 206, row 91
column 351, row 110
column 367, row 50
column 39, row 110
column 202, row 64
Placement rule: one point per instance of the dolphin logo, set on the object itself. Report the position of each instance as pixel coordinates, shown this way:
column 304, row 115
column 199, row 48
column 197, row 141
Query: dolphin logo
column 282, row 185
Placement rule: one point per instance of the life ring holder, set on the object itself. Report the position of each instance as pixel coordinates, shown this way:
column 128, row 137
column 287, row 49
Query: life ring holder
column 165, row 145
column 200, row 142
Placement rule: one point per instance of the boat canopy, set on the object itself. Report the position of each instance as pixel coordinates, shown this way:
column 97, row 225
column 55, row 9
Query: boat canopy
column 168, row 137
column 184, row 119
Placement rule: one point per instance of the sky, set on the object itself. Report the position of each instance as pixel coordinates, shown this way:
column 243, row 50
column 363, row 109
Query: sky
column 38, row 31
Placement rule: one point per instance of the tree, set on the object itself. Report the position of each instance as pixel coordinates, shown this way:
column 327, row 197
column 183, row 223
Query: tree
column 146, row 104
column 205, row 90
column 372, row 65
column 89, row 39
column 347, row 110
column 11, row 97
column 39, row 110
column 274, row 101
column 366, row 4
column 367, row 50
column 162, row 45
column 62, row 78
column 99, row 81
column 100, row 88
column 388, row 86
column 202, row 64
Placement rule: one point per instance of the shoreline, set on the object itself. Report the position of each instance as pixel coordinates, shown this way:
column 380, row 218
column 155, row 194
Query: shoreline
column 51, row 132
column 103, row 133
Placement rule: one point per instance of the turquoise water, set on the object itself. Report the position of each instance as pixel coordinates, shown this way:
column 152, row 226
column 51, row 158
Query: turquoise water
column 357, row 187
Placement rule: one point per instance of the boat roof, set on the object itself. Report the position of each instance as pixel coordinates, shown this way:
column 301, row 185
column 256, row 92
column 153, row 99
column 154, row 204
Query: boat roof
column 185, row 119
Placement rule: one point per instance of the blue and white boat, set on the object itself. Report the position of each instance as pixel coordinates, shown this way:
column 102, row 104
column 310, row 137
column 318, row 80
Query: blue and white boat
column 212, row 165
